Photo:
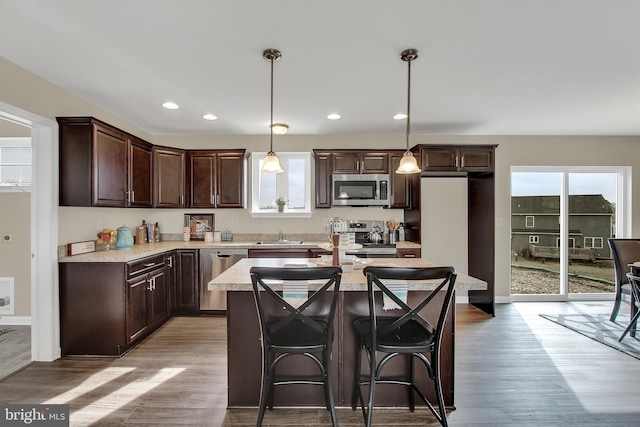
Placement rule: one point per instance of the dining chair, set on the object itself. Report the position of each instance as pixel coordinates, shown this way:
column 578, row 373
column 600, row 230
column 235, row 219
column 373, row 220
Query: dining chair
column 634, row 281
column 623, row 252
column 396, row 327
column 297, row 321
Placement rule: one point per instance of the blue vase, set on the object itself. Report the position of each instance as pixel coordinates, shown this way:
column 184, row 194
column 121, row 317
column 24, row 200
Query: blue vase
column 124, row 240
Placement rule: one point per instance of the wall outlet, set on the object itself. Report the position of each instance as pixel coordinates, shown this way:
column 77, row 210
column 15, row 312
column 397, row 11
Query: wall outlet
column 7, row 238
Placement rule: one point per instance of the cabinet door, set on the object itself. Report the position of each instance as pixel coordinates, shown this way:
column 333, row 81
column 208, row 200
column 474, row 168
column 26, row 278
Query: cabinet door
column 140, row 173
column 109, row 167
column 202, row 179
column 187, row 278
column 476, row 160
column 230, row 176
column 400, row 184
column 346, row 162
column 170, row 262
column 374, row 163
column 408, row 253
column 169, row 171
column 137, row 320
column 158, row 311
column 439, row 159
column 323, row 171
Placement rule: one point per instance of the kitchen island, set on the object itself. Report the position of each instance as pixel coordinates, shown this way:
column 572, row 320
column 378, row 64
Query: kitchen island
column 243, row 338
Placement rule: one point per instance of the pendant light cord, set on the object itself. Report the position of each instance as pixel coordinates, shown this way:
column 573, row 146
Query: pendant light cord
column 271, row 125
column 408, row 102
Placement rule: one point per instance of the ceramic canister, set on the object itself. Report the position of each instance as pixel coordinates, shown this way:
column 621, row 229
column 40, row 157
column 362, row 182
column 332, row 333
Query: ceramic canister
column 125, row 238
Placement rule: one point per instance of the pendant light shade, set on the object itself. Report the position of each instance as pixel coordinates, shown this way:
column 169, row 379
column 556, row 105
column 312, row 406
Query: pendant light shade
column 408, row 163
column 271, row 163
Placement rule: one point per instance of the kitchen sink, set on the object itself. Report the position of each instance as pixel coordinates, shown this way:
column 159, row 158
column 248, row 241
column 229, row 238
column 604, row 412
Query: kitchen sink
column 280, row 242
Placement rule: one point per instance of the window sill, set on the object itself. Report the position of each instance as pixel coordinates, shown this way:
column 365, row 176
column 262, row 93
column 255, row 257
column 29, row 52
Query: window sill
column 285, row 214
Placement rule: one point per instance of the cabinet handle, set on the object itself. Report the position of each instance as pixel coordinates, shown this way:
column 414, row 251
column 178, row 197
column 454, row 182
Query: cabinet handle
column 150, row 287
column 133, row 196
column 456, row 163
column 408, row 256
column 462, row 161
column 213, row 199
column 151, row 264
column 127, row 197
column 170, row 262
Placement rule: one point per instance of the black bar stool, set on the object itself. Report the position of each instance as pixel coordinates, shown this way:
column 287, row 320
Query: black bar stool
column 290, row 329
column 401, row 332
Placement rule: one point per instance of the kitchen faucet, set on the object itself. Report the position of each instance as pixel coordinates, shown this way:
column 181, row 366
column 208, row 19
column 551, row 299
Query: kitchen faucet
column 280, row 235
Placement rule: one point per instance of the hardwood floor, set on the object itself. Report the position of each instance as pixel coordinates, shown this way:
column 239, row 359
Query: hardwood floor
column 516, row 369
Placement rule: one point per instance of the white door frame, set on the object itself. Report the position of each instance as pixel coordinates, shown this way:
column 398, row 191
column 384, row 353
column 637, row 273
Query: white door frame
column 45, row 309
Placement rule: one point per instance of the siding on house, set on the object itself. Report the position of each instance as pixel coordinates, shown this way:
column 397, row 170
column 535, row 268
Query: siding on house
column 590, row 220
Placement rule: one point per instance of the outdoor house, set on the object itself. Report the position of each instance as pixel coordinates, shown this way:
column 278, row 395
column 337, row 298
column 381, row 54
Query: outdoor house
column 536, row 228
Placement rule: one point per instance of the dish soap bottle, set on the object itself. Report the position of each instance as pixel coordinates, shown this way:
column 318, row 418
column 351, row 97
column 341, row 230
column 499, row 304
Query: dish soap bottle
column 401, row 232
column 156, row 233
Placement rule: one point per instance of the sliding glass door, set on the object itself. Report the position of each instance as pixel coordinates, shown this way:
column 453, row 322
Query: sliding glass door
column 561, row 218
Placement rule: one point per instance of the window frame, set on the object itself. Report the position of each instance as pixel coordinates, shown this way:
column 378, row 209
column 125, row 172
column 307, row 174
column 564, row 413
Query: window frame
column 17, row 142
column 526, row 221
column 284, row 157
column 534, row 239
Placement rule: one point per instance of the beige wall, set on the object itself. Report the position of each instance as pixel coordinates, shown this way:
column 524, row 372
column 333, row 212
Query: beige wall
column 30, row 93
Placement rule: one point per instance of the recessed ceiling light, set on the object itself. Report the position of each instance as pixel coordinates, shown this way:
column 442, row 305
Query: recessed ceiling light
column 170, row 105
column 334, row 116
column 210, row 117
column 400, row 116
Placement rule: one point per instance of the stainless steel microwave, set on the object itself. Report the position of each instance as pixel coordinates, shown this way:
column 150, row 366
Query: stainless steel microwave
column 360, row 190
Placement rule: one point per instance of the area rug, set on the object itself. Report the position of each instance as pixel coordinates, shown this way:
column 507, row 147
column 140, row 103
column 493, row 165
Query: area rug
column 15, row 349
column 599, row 328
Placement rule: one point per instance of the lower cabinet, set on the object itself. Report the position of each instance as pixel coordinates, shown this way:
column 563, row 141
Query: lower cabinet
column 106, row 308
column 408, row 253
column 186, row 282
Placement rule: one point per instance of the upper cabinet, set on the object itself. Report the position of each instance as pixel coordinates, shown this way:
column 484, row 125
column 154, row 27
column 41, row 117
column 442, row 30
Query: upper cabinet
column 453, row 158
column 168, row 177
column 216, row 178
column 101, row 165
column 360, row 162
column 140, row 173
column 328, row 162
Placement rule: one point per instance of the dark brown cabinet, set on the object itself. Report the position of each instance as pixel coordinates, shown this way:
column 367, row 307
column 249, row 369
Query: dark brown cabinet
column 106, row 308
column 408, row 253
column 356, row 162
column 216, row 178
column 400, row 184
column 102, row 166
column 323, row 171
column 476, row 164
column 186, row 284
column 457, row 158
column 360, row 162
column 140, row 173
column 168, row 177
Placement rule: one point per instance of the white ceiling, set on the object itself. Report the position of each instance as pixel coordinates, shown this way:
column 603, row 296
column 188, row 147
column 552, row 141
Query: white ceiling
column 486, row 67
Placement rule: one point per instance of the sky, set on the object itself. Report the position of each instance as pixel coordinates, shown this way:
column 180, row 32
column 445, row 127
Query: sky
column 548, row 184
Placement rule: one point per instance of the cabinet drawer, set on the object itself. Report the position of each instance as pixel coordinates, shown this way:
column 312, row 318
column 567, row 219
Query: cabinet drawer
column 144, row 265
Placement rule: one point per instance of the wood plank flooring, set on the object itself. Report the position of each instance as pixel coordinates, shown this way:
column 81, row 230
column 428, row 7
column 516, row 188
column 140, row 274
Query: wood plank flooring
column 516, row 369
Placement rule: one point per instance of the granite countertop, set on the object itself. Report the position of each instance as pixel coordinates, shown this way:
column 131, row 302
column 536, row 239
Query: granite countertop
column 237, row 278
column 148, row 249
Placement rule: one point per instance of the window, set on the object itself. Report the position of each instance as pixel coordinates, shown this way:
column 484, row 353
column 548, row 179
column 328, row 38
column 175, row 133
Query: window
column 294, row 185
column 15, row 163
column 528, row 221
column 593, row 242
column 534, row 239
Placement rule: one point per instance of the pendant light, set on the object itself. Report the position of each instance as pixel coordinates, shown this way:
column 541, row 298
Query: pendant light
column 408, row 163
column 271, row 164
